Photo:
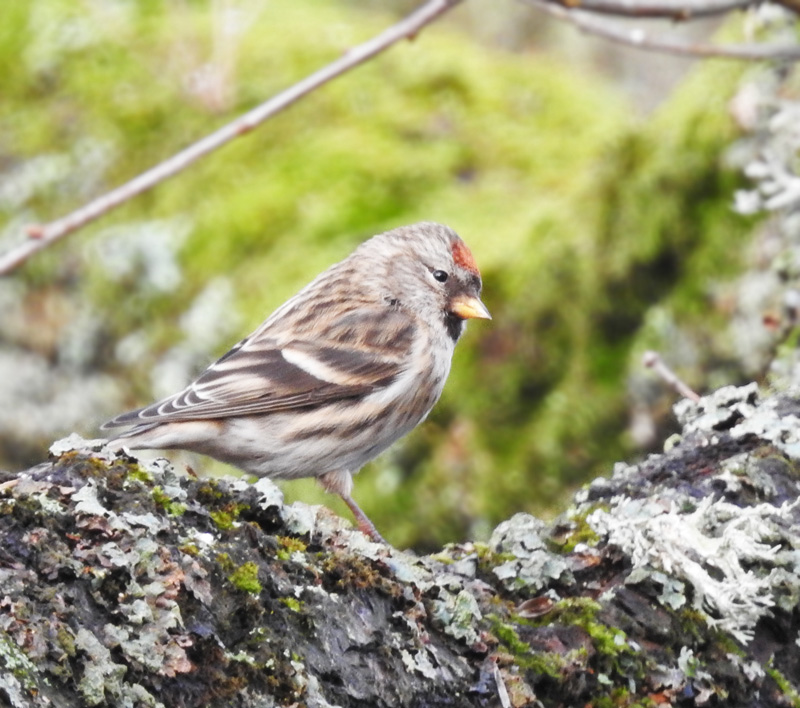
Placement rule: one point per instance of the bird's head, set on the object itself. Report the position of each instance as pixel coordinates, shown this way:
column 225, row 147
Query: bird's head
column 429, row 270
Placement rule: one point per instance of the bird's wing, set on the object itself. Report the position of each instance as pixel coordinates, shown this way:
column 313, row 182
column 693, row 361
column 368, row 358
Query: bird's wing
column 359, row 352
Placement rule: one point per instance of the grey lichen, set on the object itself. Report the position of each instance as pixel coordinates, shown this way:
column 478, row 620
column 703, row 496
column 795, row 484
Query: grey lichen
column 719, row 410
column 731, row 557
column 18, row 675
column 102, row 679
column 666, row 579
column 459, row 615
column 532, row 565
column 169, row 588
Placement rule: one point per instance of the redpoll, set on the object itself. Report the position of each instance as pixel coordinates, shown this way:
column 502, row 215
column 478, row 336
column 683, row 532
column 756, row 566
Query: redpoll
column 335, row 375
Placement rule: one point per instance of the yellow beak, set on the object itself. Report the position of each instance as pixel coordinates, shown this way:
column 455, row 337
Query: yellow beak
column 468, row 307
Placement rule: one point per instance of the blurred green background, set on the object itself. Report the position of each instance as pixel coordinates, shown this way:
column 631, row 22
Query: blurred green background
column 601, row 218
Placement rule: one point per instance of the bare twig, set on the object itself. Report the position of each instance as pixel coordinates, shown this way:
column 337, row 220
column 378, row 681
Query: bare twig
column 653, row 360
column 502, row 691
column 669, row 44
column 669, row 9
column 41, row 236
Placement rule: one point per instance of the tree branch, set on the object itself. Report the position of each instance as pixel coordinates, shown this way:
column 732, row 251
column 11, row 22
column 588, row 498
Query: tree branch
column 41, row 236
column 670, row 9
column 653, row 360
column 669, row 44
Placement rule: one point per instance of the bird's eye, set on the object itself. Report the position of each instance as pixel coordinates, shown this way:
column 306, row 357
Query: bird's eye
column 440, row 275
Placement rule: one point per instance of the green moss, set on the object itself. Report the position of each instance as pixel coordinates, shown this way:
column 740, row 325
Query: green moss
column 165, row 502
column 225, row 562
column 508, row 637
column 622, row 698
column 488, row 559
column 223, row 519
column 258, row 635
column 139, row 474
column 209, row 492
column 582, row 612
column 226, row 516
column 612, row 656
column 341, row 571
column 485, row 553
column 190, row 549
column 725, row 643
column 694, row 623
column 549, row 664
column 575, row 610
column 790, row 692
column 289, row 545
column 245, row 577
column 292, row 603
column 65, row 640
column 580, row 533
column 444, row 558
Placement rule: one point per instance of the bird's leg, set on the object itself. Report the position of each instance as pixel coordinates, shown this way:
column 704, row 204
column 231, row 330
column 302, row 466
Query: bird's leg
column 341, row 483
column 364, row 524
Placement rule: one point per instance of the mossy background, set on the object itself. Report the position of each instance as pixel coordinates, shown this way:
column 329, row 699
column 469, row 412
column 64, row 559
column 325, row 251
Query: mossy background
column 592, row 224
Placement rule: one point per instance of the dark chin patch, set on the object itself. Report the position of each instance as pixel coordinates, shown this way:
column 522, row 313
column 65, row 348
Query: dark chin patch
column 454, row 326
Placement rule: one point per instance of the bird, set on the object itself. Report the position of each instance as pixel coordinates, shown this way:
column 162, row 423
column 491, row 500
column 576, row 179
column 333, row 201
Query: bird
column 338, row 373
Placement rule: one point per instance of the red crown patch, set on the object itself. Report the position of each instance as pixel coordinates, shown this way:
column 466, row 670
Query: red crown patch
column 463, row 257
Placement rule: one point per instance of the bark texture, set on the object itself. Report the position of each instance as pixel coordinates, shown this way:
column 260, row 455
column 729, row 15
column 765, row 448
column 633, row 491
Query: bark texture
column 675, row 581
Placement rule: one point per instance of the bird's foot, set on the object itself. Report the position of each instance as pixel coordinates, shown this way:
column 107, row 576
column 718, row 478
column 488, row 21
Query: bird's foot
column 362, row 521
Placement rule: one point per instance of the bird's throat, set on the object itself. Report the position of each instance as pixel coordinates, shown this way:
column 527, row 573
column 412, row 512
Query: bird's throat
column 454, row 326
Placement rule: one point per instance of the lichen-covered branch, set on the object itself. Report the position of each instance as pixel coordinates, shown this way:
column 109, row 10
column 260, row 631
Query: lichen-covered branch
column 127, row 584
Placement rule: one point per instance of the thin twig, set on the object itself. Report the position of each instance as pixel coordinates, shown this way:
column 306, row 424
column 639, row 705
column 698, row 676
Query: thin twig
column 41, row 236
column 669, row 9
column 652, row 360
column 669, row 44
column 502, row 691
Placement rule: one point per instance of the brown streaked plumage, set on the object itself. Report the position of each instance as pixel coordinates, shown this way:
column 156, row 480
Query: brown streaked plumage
column 338, row 373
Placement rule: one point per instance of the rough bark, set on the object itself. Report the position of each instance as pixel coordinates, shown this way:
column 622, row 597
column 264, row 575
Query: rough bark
column 676, row 581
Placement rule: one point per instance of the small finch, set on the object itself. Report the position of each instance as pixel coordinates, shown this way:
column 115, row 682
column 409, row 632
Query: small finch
column 334, row 376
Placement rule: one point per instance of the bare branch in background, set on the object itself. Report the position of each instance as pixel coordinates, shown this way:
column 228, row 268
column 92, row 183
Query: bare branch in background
column 670, row 9
column 41, row 236
column 652, row 360
column 583, row 14
column 669, row 44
